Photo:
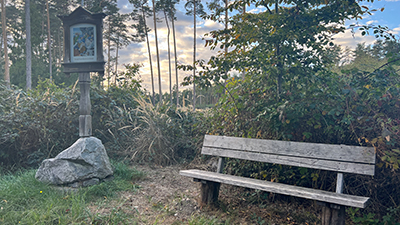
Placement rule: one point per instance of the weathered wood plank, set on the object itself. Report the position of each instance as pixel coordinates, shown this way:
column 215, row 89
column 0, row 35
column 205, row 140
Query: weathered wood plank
column 308, row 193
column 85, row 125
column 209, row 192
column 340, row 166
column 332, row 216
column 308, row 150
column 339, row 183
column 221, row 164
column 84, row 102
column 85, row 119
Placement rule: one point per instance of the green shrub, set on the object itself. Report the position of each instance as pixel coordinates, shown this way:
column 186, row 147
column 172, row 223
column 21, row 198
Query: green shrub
column 43, row 122
column 354, row 108
column 36, row 125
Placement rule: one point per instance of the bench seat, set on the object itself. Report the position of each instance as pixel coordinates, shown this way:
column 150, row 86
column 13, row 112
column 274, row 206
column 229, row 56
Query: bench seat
column 336, row 158
column 279, row 188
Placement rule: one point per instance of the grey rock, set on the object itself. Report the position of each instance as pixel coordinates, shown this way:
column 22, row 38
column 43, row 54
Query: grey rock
column 84, row 160
column 90, row 182
column 107, row 179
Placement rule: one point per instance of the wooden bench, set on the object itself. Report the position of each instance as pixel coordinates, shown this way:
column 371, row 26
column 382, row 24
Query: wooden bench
column 338, row 158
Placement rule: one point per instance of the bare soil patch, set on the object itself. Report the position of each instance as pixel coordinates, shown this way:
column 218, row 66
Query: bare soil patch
column 165, row 197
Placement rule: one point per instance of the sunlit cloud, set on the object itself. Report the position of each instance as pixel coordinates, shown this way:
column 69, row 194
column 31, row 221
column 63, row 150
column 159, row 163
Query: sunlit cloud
column 138, row 52
column 396, row 30
column 371, row 22
column 351, row 40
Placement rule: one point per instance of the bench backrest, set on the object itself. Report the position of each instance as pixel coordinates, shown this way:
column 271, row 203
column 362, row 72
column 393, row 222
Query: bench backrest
column 340, row 158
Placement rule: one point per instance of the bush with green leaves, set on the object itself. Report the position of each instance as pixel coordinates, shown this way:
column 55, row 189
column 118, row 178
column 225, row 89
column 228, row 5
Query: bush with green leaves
column 354, row 108
column 38, row 124
column 42, row 122
column 292, row 88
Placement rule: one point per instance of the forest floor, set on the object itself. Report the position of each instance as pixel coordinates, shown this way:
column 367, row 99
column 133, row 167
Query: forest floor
column 165, row 197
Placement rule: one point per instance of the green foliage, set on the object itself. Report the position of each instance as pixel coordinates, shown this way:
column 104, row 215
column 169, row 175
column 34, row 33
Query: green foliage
column 128, row 78
column 43, row 122
column 293, row 91
column 391, row 217
column 30, row 123
column 355, row 107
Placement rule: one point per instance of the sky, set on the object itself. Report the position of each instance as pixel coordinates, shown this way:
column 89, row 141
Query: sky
column 137, row 52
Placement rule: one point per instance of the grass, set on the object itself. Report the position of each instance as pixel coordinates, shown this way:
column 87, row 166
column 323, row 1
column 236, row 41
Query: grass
column 24, row 200
column 202, row 220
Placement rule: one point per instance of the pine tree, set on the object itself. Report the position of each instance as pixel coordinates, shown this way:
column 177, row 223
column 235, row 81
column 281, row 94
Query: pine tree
column 195, row 8
column 49, row 40
column 28, row 45
column 5, row 42
column 140, row 12
column 157, row 51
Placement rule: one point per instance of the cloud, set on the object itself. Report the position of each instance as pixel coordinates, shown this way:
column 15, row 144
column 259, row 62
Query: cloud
column 396, row 30
column 351, row 40
column 212, row 25
column 371, row 22
column 138, row 52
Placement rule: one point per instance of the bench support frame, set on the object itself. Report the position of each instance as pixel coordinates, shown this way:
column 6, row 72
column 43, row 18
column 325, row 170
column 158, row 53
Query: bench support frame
column 338, row 158
column 332, row 214
column 209, row 192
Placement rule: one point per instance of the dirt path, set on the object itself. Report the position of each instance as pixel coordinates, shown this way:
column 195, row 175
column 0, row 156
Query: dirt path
column 165, row 197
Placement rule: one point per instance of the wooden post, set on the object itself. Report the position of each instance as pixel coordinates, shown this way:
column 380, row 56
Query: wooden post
column 209, row 192
column 334, row 214
column 85, row 119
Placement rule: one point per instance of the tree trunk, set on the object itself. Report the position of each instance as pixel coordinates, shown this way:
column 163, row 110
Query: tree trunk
column 116, row 64
column 49, row 40
column 169, row 58
column 158, row 54
column 226, row 36
column 109, row 52
column 28, row 45
column 4, row 30
column 244, row 47
column 176, row 64
column 151, row 67
column 194, row 54
column 278, row 65
column 60, row 47
column 150, row 61
column 116, row 61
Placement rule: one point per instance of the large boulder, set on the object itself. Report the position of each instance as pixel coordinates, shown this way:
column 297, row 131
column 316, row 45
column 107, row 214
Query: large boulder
column 84, row 162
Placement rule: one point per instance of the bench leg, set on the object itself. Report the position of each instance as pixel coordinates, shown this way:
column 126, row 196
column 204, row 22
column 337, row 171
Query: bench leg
column 333, row 215
column 209, row 192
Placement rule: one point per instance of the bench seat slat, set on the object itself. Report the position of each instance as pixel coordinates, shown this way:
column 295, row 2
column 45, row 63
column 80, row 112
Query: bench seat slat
column 308, row 193
column 340, row 166
column 357, row 154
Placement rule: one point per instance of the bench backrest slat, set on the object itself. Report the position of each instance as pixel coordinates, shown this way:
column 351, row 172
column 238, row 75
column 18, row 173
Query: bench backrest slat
column 341, row 158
